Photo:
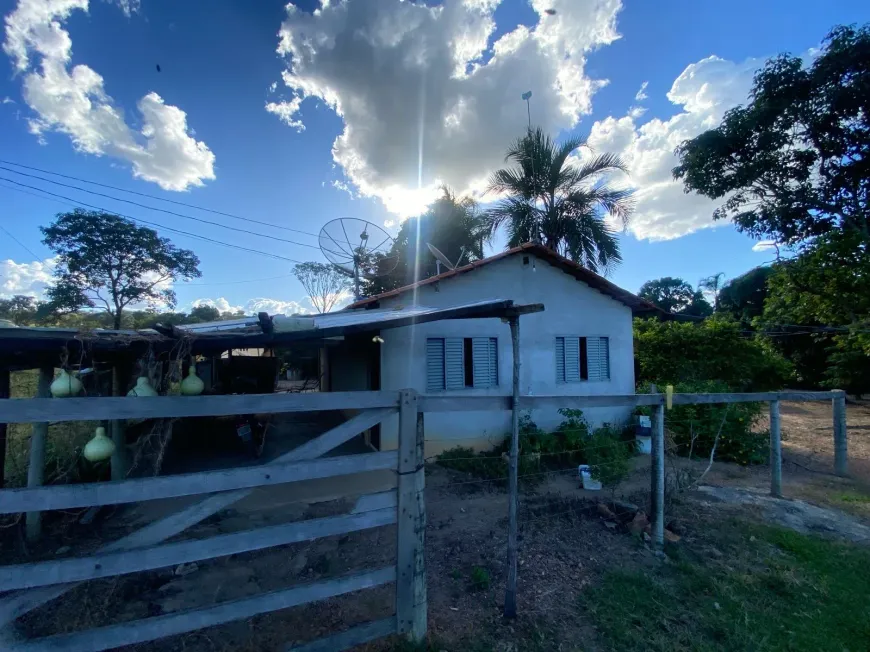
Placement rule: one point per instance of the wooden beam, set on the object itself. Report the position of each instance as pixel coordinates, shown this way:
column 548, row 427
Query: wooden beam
column 134, row 407
column 841, row 443
column 510, row 593
column 72, row 496
column 4, row 394
column 116, row 430
column 411, row 601
column 180, row 622
column 350, row 637
column 17, row 604
column 371, row 502
column 775, row 451
column 517, row 311
column 36, row 460
column 25, row 576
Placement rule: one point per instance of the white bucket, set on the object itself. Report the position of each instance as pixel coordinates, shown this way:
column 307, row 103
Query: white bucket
column 644, row 444
column 586, row 478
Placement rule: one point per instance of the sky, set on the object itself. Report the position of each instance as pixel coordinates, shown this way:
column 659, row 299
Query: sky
column 294, row 115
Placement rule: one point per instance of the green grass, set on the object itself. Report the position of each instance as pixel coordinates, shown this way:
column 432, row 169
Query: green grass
column 854, row 498
column 783, row 591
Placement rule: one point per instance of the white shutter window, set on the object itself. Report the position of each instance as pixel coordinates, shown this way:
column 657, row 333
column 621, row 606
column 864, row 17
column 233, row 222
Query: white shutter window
column 572, row 359
column 598, row 355
column 435, row 365
column 493, row 362
column 454, row 367
column 560, row 359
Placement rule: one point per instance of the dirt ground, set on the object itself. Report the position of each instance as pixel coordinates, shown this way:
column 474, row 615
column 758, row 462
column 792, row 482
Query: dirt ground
column 566, row 546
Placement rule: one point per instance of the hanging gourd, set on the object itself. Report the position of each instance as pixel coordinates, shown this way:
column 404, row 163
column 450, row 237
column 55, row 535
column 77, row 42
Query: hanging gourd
column 142, row 388
column 192, row 385
column 100, row 447
column 65, row 384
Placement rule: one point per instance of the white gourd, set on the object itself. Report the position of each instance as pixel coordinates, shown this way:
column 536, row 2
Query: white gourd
column 142, row 388
column 65, row 384
column 192, row 385
column 100, row 447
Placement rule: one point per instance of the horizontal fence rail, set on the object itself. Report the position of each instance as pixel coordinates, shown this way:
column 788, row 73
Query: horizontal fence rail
column 38, row 410
column 172, row 486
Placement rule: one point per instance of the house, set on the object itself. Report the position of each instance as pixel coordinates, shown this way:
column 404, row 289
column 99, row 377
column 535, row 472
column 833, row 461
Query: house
column 581, row 344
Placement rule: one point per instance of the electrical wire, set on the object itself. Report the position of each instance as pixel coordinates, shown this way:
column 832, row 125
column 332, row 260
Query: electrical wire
column 160, row 226
column 161, row 210
column 149, row 196
column 23, row 246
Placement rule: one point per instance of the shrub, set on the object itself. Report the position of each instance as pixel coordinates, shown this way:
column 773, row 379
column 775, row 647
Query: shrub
column 607, row 455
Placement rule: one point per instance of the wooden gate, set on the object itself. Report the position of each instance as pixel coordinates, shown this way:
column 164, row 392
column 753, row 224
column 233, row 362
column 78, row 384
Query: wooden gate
column 35, row 584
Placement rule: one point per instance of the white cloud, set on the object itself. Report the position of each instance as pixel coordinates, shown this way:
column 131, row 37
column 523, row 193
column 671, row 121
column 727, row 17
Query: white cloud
column 276, row 307
column 220, row 303
column 764, row 245
column 286, row 111
column 30, row 279
column 704, row 90
column 425, row 97
column 641, row 95
column 7, row 100
column 73, row 101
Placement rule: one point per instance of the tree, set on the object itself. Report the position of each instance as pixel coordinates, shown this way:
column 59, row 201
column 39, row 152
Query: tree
column 794, row 163
column 20, row 310
column 713, row 285
column 453, row 224
column 562, row 205
column 325, row 284
column 108, row 262
column 743, row 296
column 203, row 313
column 676, row 296
column 819, row 307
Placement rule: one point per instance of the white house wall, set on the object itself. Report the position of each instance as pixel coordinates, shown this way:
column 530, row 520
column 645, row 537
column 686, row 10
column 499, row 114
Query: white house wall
column 572, row 308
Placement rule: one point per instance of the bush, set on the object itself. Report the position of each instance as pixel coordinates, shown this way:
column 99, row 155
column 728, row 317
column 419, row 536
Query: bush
column 671, row 352
column 693, row 428
column 607, row 455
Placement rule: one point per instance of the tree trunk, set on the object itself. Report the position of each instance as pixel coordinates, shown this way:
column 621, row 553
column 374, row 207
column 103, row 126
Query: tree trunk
column 116, row 324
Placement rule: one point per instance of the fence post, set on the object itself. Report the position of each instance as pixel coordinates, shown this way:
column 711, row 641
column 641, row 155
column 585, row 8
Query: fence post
column 510, row 594
column 36, row 463
column 411, row 531
column 658, row 449
column 4, row 393
column 841, row 450
column 775, row 451
column 116, row 430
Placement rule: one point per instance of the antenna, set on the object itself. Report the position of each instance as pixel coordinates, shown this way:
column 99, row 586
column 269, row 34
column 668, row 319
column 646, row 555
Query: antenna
column 357, row 248
column 441, row 259
column 527, row 96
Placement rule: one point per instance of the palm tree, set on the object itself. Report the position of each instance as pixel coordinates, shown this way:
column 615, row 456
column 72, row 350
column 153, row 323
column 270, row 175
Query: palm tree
column 557, row 203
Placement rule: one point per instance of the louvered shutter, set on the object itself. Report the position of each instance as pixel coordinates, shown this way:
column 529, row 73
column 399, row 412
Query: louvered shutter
column 454, row 367
column 481, row 362
column 560, row 359
column 493, row 362
column 434, row 365
column 598, row 352
column 572, row 359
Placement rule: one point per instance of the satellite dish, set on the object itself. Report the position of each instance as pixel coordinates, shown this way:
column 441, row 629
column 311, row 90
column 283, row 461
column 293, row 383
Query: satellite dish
column 357, row 248
column 441, row 259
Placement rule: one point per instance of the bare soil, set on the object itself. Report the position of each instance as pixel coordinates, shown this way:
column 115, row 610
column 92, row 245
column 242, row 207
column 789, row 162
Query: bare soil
column 566, row 546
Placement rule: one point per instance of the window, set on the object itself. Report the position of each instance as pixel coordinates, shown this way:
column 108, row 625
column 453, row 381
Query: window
column 460, row 362
column 582, row 358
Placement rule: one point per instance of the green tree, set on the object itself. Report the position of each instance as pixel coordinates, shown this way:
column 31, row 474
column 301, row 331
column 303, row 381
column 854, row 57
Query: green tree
column 819, row 306
column 109, row 263
column 325, row 284
column 794, row 163
column 676, row 296
column 743, row 296
column 562, row 205
column 453, row 224
column 19, row 309
column 203, row 313
column 713, row 285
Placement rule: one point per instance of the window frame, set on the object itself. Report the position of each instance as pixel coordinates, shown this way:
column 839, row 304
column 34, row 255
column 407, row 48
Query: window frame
column 468, row 371
column 583, row 353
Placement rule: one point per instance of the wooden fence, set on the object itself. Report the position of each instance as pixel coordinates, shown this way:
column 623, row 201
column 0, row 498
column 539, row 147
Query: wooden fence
column 37, row 583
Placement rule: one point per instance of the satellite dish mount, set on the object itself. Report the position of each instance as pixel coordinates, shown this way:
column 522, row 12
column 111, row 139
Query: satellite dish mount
column 357, row 248
column 441, row 259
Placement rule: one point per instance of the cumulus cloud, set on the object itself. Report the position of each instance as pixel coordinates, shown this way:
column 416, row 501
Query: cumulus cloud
column 72, row 100
column 220, row 303
column 261, row 304
column 704, row 91
column 641, row 95
column 30, row 279
column 764, row 245
column 426, row 97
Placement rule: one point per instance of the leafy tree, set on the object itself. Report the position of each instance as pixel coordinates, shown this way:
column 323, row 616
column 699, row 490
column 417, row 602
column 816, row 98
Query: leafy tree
column 676, row 296
column 794, row 163
column 325, row 284
column 819, row 305
column 107, row 262
column 20, row 309
column 562, row 205
column 713, row 285
column 716, row 349
column 203, row 313
column 453, row 224
column 743, row 296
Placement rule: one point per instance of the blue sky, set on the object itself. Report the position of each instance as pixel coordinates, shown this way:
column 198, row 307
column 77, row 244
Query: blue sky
column 81, row 95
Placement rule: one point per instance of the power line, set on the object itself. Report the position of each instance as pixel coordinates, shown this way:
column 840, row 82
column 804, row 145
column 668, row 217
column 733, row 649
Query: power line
column 162, row 210
column 149, row 196
column 24, row 246
column 250, row 280
column 160, row 226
